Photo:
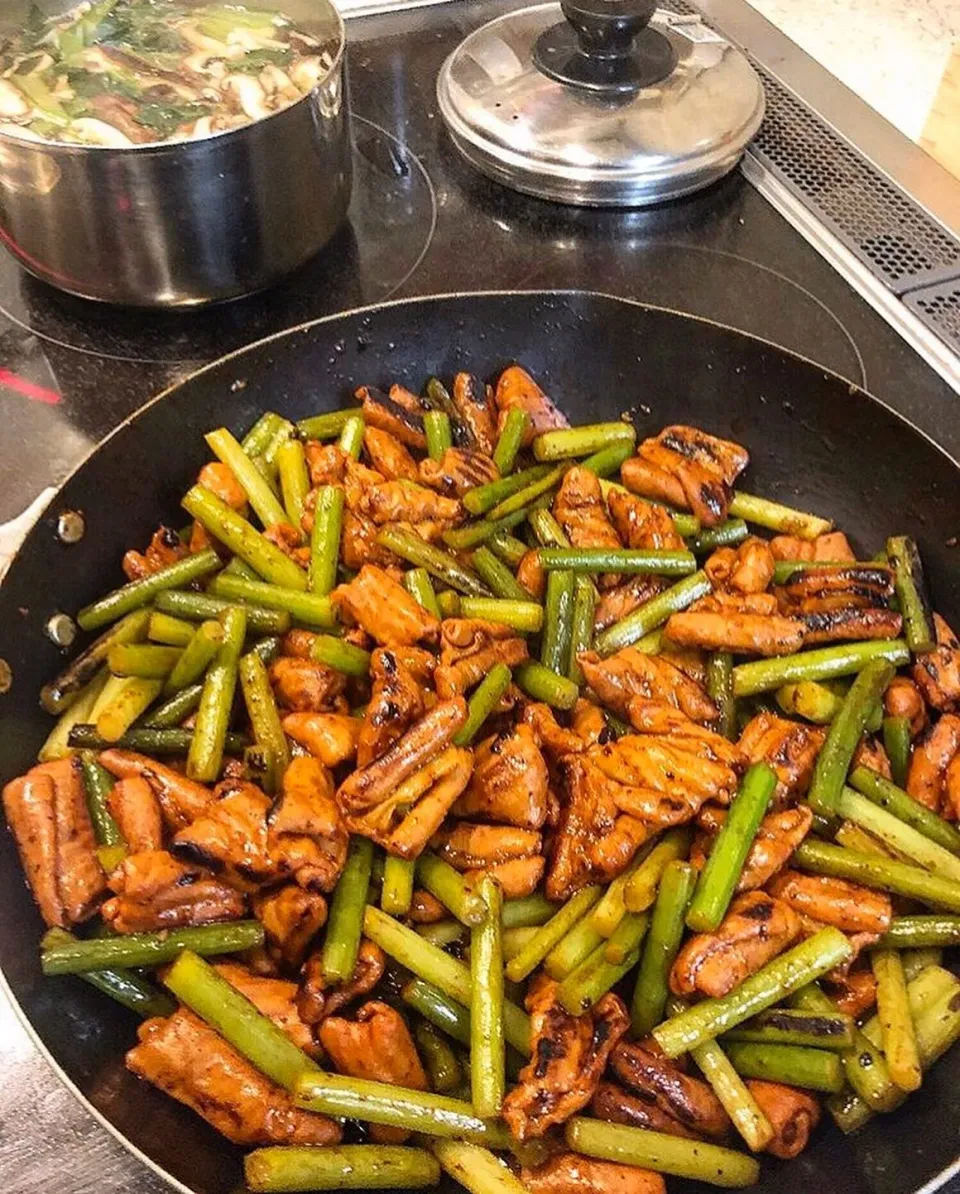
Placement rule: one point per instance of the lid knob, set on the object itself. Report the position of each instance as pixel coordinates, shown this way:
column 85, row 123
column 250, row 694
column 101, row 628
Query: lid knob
column 605, row 46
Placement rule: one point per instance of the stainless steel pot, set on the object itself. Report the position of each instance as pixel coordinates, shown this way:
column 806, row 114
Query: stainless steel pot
column 191, row 221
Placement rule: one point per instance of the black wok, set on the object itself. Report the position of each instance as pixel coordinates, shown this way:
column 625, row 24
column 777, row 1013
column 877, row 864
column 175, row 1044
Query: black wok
column 815, row 440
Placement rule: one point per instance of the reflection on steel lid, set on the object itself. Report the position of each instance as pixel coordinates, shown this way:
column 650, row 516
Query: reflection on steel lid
column 600, row 102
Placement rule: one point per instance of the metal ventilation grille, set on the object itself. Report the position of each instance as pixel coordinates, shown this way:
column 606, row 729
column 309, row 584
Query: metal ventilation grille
column 939, row 308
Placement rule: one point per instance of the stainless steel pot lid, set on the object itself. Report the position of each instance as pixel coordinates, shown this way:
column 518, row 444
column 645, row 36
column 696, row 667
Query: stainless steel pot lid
column 600, row 102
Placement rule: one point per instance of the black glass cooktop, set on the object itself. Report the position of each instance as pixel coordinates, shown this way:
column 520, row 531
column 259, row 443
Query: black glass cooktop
column 423, row 222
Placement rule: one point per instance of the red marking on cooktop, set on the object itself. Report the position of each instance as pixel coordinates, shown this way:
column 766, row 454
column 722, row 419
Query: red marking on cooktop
column 29, row 389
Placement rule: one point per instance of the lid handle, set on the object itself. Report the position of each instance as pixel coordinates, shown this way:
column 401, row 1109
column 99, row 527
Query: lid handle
column 605, row 46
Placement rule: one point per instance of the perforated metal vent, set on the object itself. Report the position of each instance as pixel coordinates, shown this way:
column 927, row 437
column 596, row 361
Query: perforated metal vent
column 939, row 307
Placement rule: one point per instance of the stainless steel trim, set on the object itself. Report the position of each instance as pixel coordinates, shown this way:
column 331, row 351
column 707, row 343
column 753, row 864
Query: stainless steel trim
column 932, row 350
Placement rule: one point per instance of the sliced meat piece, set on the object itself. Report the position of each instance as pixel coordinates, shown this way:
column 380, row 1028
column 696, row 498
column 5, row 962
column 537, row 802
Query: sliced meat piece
column 291, row 918
column 792, row 1113
column 748, row 568
column 181, row 799
column 306, row 835
column 616, row 1106
column 80, row 878
column 831, row 548
column 572, row 1173
column 194, row 1065
column 405, row 501
column 569, row 1054
column 937, row 673
column 643, row 477
column 581, row 511
column 933, row 753
column 359, row 546
column 789, row 747
column 741, row 633
column 318, row 998
column 588, row 722
column 326, row 463
column 274, row 998
column 855, row 993
column 641, row 1067
column 154, row 890
column 756, row 929
column 221, row 480
column 631, row 673
column 904, row 699
column 396, row 700
column 516, row 390
column 470, row 647
column 477, row 409
column 466, row 845
column 517, row 877
column 330, row 737
column 165, row 548
column 777, row 837
column 305, row 686
column 531, row 574
column 457, row 471
column 550, row 736
column 643, row 524
column 134, row 806
column 297, row 644
column 661, row 719
column 230, row 837
column 29, row 803
column 848, row 906
column 385, row 610
column 509, row 784
column 869, row 753
column 358, row 478
column 398, row 412
column 377, row 1046
column 624, row 598
column 389, row 456
column 426, row 909
column 704, row 466
column 835, row 604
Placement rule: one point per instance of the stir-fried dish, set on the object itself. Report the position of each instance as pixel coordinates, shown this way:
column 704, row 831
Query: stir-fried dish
column 127, row 72
column 462, row 791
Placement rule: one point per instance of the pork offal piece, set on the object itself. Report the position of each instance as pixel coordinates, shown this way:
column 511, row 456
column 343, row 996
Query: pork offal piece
column 642, row 1068
column 747, row 568
column 618, row 1106
column 572, row 1173
column 318, row 998
column 385, row 610
column 516, row 390
column 631, row 673
column 398, row 680
column 777, row 837
column 475, row 404
column 643, row 524
column 834, row 547
column 398, row 412
column 756, row 929
column 581, row 511
column 836, row 604
column 304, row 685
column 470, row 647
column 134, row 806
column 848, row 906
column 457, row 471
column 569, row 1054
column 468, row 846
column 47, row 812
column 291, row 918
column 937, row 673
column 399, row 501
column 789, row 747
column 509, row 784
column 624, row 598
column 688, row 468
column 274, row 998
column 792, row 1113
column 389, row 455
column 155, row 891
column 741, row 633
column 330, row 737
column 933, row 777
column 181, row 799
column 190, row 1062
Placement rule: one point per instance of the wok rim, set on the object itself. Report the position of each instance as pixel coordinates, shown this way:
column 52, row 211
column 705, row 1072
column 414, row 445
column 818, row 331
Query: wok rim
column 935, row 1183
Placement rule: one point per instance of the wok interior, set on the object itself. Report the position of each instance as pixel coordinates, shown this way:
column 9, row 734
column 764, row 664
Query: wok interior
column 815, row 441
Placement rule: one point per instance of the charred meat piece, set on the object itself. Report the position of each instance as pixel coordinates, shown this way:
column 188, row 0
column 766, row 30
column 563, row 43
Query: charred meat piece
column 789, row 747
column 687, row 467
column 933, row 776
column 290, row 541
column 297, row 644
column 855, row 993
column 426, row 909
column 274, row 998
column 778, row 836
column 792, row 1113
column 841, row 603
column 306, row 836
column 389, row 456
column 396, row 699
column 385, row 610
column 748, row 568
column 398, row 412
column 624, row 598
column 740, row 632
column 154, row 890
column 630, row 673
column 190, row 1062
column 317, row 998
column 509, row 784
column 358, row 478
column 326, row 463
column 403, row 501
column 305, row 686
column 359, row 546
column 642, row 1068
column 230, row 836
column 615, row 1105
column 531, row 574
column 643, row 524
column 572, row 1173
column 181, row 799
column 469, row 648
column 556, row 740
column 165, row 548
column 468, row 846
column 904, row 699
column 869, row 753
column 134, row 806
column 377, row 1045
column 457, row 471
column 938, row 672
column 569, row 1055
column 516, row 390
column 831, row 548
column 581, row 511
column 754, row 931
column 838, row 902
column 330, row 737
column 47, row 812
column 474, row 403
column 291, row 918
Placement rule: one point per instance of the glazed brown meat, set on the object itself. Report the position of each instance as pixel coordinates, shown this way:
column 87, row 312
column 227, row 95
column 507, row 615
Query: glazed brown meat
column 641, row 1067
column 181, row 799
column 359, row 546
column 509, row 784
column 398, row 412
column 624, row 598
column 194, row 1065
column 469, row 648
column 850, row 907
column 467, row 846
column 937, row 673
column 377, row 1045
column 792, row 1113
column 274, row 998
column 457, row 471
column 230, row 836
column 477, row 408
column 777, row 837
column 572, row 1173
column 741, row 633
column 396, row 699
column 516, row 390
column 642, row 524
column 46, row 810
column 832, row 548
column 855, row 993
column 291, row 918
column 305, row 686
column 517, row 877
column 835, row 604
column 326, row 463
column 756, row 929
column 165, row 548
column 789, row 747
column 317, row 998
column 385, row 610
column 748, row 568
column 400, row 501
column 388, row 455
column 154, row 890
column 686, row 463
column 932, row 777
column 904, row 699
column 631, row 673
column 581, row 511
column 306, row 836
column 569, row 1054
column 617, row 1106
column 330, row 737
